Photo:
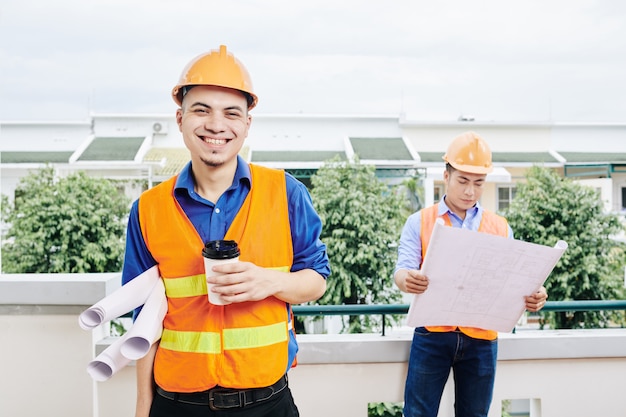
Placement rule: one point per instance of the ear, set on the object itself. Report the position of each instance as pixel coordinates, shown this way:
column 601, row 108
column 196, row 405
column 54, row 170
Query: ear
column 179, row 119
column 248, row 122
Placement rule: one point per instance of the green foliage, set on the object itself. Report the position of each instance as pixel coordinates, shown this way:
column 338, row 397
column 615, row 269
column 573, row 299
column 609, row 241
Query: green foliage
column 385, row 409
column 362, row 221
column 4, row 207
column 74, row 224
column 412, row 194
column 548, row 208
column 117, row 328
column 506, row 406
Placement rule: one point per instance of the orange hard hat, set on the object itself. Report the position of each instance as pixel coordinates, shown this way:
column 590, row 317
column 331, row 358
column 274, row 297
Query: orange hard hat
column 469, row 152
column 219, row 68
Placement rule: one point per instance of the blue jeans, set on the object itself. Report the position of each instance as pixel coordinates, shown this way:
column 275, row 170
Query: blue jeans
column 473, row 362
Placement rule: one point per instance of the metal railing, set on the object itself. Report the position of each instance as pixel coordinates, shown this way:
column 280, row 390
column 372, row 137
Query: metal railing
column 384, row 309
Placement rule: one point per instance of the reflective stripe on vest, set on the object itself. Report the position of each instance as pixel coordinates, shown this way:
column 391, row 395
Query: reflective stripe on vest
column 199, row 342
column 210, row 343
column 489, row 223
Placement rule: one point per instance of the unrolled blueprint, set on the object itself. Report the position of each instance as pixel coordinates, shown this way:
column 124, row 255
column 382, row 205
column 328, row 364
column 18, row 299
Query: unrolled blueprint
column 479, row 280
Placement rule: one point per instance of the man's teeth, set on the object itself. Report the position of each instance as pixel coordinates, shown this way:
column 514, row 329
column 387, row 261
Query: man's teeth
column 215, row 141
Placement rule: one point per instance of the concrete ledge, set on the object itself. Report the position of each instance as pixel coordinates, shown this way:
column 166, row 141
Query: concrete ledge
column 353, row 348
column 32, row 294
column 562, row 344
column 524, row 345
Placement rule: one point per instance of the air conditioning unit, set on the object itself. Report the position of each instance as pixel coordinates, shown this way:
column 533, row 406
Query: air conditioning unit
column 466, row 118
column 159, row 128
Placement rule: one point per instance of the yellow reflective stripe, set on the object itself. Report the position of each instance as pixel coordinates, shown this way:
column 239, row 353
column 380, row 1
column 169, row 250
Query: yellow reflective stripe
column 252, row 337
column 199, row 342
column 185, row 286
column 195, row 285
column 281, row 268
column 206, row 342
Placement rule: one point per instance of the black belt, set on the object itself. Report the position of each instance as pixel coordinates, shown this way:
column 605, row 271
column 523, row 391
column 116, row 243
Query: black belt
column 219, row 398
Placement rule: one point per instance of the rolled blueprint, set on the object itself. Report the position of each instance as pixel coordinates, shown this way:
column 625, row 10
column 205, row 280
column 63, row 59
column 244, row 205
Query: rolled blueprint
column 108, row 362
column 135, row 343
column 121, row 301
column 148, row 326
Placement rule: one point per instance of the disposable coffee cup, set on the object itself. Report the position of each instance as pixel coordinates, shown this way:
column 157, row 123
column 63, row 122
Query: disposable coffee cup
column 218, row 252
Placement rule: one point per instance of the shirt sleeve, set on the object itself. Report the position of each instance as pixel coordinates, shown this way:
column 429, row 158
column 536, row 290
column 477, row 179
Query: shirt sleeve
column 309, row 252
column 137, row 258
column 410, row 246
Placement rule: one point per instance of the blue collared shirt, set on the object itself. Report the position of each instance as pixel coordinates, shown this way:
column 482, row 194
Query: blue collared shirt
column 410, row 247
column 212, row 220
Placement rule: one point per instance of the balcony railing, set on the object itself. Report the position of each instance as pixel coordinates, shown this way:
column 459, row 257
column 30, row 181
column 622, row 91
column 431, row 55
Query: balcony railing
column 370, row 309
column 44, row 354
column 385, row 309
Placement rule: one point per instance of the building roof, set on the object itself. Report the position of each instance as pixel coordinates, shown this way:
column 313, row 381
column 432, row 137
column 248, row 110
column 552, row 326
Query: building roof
column 38, row 157
column 523, row 157
column 173, row 160
column 500, row 157
column 381, row 151
column 295, row 156
column 593, row 164
column 593, row 157
column 112, row 149
column 389, row 149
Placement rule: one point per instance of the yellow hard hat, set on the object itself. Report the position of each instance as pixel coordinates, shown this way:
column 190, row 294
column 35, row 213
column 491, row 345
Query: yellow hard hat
column 219, row 68
column 469, row 152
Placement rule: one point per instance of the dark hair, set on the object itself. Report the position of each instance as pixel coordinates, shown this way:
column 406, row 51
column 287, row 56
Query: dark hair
column 249, row 98
column 185, row 89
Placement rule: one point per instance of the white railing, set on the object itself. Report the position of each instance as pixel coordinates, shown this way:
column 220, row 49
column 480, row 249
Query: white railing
column 44, row 354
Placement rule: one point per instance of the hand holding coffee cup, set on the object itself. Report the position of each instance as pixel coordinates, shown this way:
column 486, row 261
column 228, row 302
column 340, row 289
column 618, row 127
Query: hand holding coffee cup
column 218, row 252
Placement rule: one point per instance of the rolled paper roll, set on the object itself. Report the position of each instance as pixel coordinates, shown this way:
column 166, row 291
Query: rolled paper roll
column 148, row 326
column 106, row 364
column 121, row 301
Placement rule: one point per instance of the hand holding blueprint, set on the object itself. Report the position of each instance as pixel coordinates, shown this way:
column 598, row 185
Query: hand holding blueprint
column 479, row 280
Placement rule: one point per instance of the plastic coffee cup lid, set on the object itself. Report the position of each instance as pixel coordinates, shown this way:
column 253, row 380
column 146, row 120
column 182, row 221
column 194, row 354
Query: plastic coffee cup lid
column 221, row 249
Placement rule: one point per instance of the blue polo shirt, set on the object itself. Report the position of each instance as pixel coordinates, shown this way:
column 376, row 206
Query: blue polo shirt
column 212, row 220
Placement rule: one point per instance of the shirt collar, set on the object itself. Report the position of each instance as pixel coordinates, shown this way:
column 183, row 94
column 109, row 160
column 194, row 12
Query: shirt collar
column 185, row 179
column 443, row 209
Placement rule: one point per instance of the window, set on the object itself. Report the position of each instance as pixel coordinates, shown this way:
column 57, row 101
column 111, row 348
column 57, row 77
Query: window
column 437, row 193
column 623, row 198
column 505, row 196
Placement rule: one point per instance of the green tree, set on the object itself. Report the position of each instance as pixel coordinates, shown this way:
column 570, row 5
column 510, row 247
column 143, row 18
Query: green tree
column 362, row 221
column 74, row 224
column 412, row 194
column 547, row 208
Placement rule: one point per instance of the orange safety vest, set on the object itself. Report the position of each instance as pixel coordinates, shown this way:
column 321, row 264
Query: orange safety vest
column 489, row 223
column 240, row 345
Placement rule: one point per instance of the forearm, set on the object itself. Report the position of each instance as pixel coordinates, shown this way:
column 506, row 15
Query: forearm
column 301, row 286
column 145, row 384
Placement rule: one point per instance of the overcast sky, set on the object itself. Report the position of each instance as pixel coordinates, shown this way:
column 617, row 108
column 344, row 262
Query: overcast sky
column 537, row 60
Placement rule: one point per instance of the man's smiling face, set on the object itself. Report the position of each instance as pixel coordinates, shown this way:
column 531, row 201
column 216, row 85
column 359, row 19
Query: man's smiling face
column 214, row 122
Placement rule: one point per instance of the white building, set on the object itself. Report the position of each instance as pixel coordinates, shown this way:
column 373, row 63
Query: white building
column 147, row 148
